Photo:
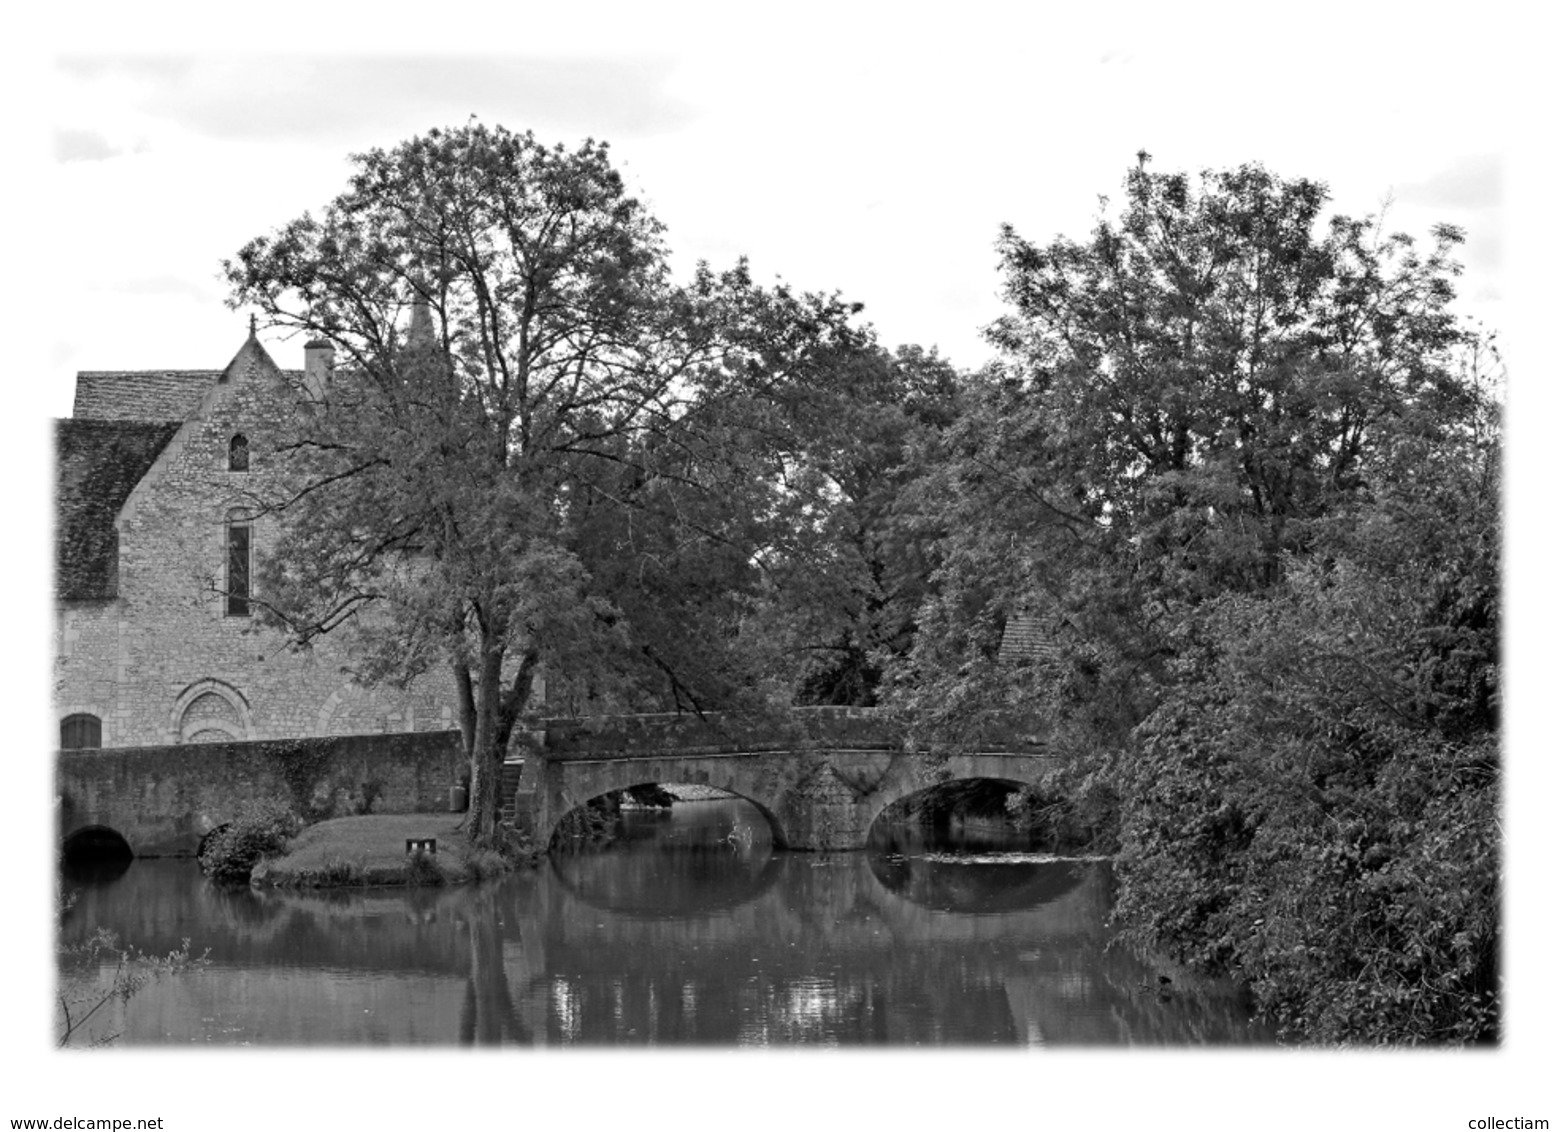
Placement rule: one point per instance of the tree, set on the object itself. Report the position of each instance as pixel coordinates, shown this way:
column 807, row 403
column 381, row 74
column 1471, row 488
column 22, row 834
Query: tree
column 1183, row 397
column 844, row 595
column 1244, row 462
column 514, row 360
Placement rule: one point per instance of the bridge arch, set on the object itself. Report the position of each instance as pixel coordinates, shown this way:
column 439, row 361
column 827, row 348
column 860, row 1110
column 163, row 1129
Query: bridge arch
column 95, row 843
column 632, row 776
column 909, row 793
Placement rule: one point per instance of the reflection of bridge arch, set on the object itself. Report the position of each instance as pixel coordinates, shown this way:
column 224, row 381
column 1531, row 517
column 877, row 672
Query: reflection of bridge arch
column 610, row 882
column 812, row 908
column 933, row 883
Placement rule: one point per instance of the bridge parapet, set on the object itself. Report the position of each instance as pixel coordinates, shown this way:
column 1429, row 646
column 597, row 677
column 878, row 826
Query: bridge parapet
column 685, row 734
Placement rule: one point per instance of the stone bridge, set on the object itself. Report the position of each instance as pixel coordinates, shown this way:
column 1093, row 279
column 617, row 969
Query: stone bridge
column 820, row 776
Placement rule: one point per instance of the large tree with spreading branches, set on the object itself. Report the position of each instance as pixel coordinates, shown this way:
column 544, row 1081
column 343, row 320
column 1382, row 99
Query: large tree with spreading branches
column 524, row 401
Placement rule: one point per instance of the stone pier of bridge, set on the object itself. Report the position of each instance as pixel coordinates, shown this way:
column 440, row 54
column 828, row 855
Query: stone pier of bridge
column 820, row 776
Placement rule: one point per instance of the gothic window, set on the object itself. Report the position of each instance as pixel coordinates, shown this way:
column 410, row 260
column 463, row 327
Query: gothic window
column 238, row 453
column 239, row 562
column 209, row 711
column 210, row 718
column 80, row 731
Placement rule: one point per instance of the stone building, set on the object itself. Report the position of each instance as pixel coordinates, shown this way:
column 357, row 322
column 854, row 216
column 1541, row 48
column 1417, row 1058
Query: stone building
column 156, row 639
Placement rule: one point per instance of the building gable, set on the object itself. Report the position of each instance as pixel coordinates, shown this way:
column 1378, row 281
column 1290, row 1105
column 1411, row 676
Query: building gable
column 250, row 365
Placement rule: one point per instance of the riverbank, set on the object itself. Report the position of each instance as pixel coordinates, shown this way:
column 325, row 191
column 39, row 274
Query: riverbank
column 372, row 850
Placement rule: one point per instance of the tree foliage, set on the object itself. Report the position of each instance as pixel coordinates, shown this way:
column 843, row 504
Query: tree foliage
column 538, row 450
column 1242, row 462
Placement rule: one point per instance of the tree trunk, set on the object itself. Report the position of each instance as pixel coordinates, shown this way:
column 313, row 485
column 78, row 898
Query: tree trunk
column 487, row 755
column 467, row 709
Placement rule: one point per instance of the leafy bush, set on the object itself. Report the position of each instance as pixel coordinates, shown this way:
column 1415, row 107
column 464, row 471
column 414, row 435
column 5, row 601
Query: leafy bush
column 422, row 868
column 262, row 829
column 484, row 864
column 1073, row 809
column 1318, row 814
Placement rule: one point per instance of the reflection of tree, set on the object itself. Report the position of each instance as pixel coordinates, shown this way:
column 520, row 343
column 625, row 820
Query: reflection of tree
column 821, row 948
column 488, row 1015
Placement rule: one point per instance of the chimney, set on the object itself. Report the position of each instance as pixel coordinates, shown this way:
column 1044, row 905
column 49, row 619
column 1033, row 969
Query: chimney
column 319, row 360
column 419, row 331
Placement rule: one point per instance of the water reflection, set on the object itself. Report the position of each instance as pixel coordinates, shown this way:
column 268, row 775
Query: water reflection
column 687, row 861
column 689, row 936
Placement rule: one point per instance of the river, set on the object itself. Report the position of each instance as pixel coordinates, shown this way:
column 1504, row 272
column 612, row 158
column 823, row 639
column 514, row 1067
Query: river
column 687, row 931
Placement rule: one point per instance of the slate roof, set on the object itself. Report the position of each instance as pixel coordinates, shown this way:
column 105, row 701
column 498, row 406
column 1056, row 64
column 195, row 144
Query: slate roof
column 97, row 464
column 141, row 395
column 1027, row 638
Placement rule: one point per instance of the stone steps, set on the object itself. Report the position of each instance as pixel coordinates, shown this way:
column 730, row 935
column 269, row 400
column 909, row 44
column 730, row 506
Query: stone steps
column 508, row 783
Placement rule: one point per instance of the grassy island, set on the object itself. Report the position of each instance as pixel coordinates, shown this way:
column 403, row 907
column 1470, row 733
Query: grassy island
column 371, row 850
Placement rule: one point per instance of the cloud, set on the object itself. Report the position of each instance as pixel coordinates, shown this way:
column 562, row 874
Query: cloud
column 323, row 98
column 83, row 145
column 1473, row 182
column 151, row 68
column 1484, row 248
column 160, row 286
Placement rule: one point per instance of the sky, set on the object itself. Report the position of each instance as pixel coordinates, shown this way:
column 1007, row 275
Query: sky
column 863, row 148
column 863, row 164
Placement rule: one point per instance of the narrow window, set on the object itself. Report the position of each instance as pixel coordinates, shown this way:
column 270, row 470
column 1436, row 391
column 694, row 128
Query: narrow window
column 238, row 453
column 238, row 567
column 79, row 732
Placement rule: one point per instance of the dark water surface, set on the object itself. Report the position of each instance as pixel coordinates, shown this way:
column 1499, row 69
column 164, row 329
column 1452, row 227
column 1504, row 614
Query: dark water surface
column 688, row 931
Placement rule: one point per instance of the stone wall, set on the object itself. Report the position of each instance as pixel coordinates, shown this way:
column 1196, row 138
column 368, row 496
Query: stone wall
column 164, row 799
